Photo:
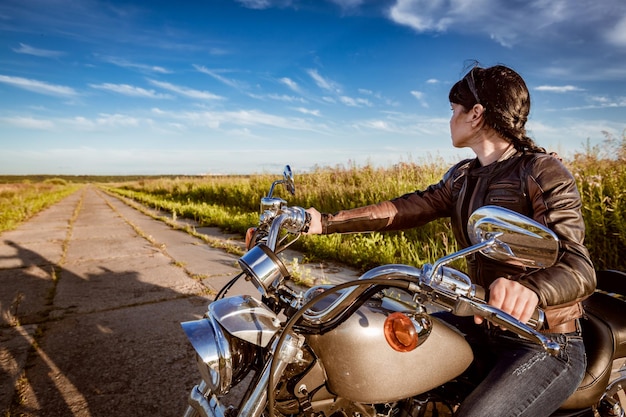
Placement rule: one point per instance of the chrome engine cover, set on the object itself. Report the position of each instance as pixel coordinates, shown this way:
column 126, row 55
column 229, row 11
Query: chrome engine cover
column 361, row 366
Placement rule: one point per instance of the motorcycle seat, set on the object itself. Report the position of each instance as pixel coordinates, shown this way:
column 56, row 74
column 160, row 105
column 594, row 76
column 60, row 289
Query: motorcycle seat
column 610, row 308
column 604, row 336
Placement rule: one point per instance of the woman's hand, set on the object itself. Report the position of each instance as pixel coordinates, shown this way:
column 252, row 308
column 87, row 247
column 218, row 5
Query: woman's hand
column 512, row 298
column 315, row 227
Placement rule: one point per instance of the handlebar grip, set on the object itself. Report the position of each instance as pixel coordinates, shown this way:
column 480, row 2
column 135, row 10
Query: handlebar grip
column 307, row 222
column 481, row 293
column 537, row 320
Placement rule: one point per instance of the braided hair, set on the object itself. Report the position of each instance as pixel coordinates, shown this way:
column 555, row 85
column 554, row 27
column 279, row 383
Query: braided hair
column 506, row 99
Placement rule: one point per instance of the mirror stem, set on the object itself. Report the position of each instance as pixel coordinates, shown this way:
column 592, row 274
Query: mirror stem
column 462, row 253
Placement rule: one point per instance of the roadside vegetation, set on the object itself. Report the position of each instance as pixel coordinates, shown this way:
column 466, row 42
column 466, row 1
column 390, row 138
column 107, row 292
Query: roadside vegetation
column 232, row 203
column 600, row 172
column 19, row 201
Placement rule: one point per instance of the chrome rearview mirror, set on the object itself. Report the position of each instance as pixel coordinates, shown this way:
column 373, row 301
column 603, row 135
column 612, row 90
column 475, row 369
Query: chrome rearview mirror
column 519, row 240
column 288, row 180
column 273, row 204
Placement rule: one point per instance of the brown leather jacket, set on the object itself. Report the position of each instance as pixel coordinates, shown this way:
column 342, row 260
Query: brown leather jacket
column 534, row 184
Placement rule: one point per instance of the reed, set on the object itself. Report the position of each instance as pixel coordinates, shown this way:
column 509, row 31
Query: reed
column 603, row 192
column 232, row 203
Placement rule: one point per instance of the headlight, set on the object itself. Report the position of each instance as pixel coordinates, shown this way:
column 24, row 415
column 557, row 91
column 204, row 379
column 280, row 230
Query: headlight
column 222, row 361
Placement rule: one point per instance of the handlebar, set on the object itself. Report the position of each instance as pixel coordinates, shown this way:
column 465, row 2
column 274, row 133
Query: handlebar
column 536, row 321
column 293, row 219
column 502, row 319
column 461, row 302
column 438, row 284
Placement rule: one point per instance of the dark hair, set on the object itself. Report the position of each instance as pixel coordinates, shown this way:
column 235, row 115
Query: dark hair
column 505, row 97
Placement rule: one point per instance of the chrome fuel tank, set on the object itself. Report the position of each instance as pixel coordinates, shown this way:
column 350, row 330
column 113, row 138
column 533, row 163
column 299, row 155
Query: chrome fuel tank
column 361, row 366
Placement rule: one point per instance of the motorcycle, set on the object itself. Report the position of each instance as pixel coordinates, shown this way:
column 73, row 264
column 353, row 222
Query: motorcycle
column 375, row 347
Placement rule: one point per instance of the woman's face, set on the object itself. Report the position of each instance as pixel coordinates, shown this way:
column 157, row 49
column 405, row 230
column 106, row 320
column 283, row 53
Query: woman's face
column 461, row 126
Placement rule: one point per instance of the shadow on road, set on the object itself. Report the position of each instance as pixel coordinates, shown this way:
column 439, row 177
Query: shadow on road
column 101, row 342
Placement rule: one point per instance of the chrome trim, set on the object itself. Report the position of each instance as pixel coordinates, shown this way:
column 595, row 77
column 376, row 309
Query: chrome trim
column 521, row 241
column 264, row 267
column 246, row 318
column 205, row 405
column 509, row 322
column 292, row 219
column 350, row 294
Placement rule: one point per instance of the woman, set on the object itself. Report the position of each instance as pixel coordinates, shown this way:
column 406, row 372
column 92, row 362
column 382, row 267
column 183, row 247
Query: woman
column 490, row 107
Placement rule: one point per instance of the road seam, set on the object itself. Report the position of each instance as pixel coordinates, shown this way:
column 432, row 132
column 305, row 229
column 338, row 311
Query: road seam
column 21, row 381
column 161, row 247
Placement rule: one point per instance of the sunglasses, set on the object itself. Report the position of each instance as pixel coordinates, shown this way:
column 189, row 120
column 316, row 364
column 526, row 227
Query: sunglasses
column 469, row 79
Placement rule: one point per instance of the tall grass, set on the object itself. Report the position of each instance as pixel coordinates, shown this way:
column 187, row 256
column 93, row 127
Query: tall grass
column 232, row 203
column 601, row 177
column 20, row 201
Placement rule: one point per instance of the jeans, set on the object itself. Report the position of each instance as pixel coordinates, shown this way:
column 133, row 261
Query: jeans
column 517, row 377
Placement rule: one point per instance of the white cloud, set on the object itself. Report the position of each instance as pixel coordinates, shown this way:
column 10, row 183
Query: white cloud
column 332, row 87
column 420, row 97
column 255, row 117
column 216, row 74
column 129, row 90
column 44, row 53
column 256, row 4
column 120, row 62
column 598, row 102
column 185, row 91
column 27, row 122
column 102, row 121
column 117, row 120
column 422, row 15
column 286, row 98
column 308, row 111
column 509, row 23
column 558, row 88
column 40, row 87
column 570, row 135
column 239, row 119
column 617, row 34
column 355, row 102
column 323, row 83
column 291, row 84
column 378, row 125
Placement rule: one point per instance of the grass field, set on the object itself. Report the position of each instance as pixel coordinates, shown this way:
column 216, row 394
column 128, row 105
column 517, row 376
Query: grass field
column 232, row 203
column 21, row 200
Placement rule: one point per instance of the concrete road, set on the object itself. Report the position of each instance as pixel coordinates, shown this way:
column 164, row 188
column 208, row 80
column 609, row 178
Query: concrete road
column 91, row 296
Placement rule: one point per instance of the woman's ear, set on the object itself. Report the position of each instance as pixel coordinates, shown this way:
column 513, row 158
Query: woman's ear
column 476, row 114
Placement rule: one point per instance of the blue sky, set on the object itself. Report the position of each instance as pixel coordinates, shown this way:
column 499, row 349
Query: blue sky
column 226, row 86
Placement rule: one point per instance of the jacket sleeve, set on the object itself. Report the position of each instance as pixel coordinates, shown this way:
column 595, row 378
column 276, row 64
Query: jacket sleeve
column 404, row 212
column 557, row 204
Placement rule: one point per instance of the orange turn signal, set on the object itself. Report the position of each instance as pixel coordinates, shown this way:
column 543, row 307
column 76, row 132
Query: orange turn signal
column 400, row 332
